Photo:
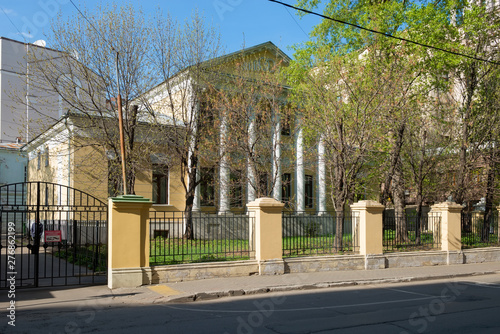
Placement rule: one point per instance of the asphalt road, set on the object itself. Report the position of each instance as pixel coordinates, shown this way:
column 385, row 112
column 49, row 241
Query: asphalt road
column 468, row 305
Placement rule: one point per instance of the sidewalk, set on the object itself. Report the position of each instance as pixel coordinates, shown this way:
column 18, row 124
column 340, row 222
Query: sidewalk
column 236, row 286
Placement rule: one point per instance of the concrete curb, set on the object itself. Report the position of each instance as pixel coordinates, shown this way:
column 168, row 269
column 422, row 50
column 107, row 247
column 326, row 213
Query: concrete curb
column 201, row 296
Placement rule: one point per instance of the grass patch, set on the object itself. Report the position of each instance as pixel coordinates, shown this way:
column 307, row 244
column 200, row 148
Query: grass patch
column 316, row 245
column 93, row 257
column 390, row 242
column 177, row 250
column 473, row 240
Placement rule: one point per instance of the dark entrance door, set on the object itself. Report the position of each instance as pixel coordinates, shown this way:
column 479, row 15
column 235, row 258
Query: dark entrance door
column 51, row 235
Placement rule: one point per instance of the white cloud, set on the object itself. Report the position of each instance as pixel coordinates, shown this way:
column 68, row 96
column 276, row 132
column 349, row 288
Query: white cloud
column 8, row 11
column 25, row 35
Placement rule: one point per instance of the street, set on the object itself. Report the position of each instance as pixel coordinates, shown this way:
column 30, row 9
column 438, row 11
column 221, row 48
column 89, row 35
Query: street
column 467, row 305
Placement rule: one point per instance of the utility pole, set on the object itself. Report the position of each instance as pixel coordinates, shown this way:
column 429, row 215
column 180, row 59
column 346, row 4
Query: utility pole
column 120, row 125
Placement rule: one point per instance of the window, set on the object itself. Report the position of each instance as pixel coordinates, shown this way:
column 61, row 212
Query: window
column 286, row 188
column 207, row 187
column 46, row 157
column 263, row 185
column 46, row 195
column 160, row 184
column 309, row 188
column 236, row 194
column 39, row 160
column 207, row 114
column 285, row 124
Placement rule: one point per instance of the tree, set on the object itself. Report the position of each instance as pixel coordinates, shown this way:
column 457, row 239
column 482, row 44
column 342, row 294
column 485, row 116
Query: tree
column 488, row 107
column 254, row 113
column 159, row 67
column 385, row 65
column 460, row 26
column 182, row 55
column 101, row 56
column 341, row 109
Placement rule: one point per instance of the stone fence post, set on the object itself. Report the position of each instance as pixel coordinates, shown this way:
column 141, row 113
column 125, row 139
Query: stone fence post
column 128, row 248
column 498, row 222
column 370, row 226
column 267, row 213
column 451, row 230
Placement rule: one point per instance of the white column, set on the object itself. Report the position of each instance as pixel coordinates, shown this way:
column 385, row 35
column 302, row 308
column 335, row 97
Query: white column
column 299, row 169
column 277, row 159
column 224, row 172
column 196, row 202
column 321, row 176
column 250, row 171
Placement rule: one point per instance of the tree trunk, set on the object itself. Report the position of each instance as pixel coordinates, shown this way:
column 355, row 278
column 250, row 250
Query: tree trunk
column 339, row 230
column 490, row 189
column 395, row 157
column 190, row 191
column 471, row 85
column 418, row 218
column 398, row 194
column 188, row 216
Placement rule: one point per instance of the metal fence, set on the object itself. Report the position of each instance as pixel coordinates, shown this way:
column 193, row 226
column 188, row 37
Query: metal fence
column 217, row 237
column 307, row 234
column 59, row 235
column 407, row 233
column 478, row 232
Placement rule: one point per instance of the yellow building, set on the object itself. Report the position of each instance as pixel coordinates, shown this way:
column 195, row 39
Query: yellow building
column 71, row 154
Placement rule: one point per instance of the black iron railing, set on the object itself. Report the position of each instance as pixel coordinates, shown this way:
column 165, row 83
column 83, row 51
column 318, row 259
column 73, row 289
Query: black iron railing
column 407, row 233
column 216, row 237
column 478, row 231
column 307, row 234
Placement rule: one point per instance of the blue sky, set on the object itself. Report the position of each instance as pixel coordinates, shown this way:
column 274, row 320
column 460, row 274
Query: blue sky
column 241, row 22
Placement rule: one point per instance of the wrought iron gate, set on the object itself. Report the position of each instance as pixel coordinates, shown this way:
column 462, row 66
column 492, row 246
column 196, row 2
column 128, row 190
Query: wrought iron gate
column 51, row 235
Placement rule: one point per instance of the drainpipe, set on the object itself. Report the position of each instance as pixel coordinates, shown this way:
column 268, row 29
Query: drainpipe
column 69, row 149
column 27, row 92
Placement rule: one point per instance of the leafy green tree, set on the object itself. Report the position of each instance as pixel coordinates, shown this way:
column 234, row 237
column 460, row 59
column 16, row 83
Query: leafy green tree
column 453, row 80
column 339, row 108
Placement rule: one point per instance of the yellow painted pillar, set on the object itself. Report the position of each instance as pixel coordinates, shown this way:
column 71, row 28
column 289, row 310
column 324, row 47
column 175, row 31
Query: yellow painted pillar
column 267, row 213
column 451, row 228
column 370, row 226
column 128, row 242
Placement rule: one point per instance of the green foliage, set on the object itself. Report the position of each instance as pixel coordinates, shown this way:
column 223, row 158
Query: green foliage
column 93, row 257
column 312, row 228
column 443, row 102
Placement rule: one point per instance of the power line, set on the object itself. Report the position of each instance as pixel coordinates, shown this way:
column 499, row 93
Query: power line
column 97, row 31
column 118, row 100
column 385, row 34
column 293, row 17
column 8, row 18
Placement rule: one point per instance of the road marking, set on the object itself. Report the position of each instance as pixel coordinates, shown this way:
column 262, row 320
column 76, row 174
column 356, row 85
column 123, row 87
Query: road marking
column 305, row 309
column 412, row 293
column 483, row 284
column 164, row 290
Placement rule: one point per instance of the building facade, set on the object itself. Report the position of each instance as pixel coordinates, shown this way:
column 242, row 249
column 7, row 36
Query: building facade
column 289, row 170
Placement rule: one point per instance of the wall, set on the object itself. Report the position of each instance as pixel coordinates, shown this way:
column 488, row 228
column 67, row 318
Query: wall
column 12, row 165
column 13, row 112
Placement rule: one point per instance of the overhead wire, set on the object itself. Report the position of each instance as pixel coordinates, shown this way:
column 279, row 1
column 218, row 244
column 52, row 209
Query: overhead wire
column 386, row 34
column 293, row 17
column 8, row 18
column 92, row 25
